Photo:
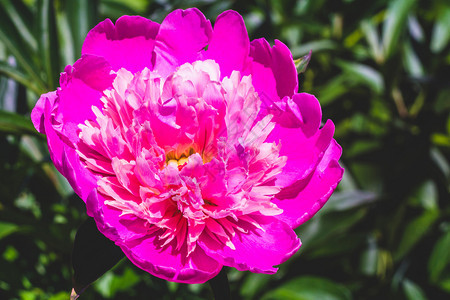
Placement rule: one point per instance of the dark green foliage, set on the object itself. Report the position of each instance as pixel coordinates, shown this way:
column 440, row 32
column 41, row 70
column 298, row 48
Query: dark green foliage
column 93, row 254
column 381, row 72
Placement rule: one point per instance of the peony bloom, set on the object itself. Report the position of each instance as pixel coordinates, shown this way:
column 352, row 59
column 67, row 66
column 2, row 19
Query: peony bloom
column 190, row 144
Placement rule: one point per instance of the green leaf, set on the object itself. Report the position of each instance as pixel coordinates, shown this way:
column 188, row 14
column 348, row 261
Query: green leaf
column 415, row 231
column 7, row 228
column 426, row 196
column 440, row 36
column 314, row 46
column 20, row 77
column 440, row 160
column 11, row 38
column 58, row 296
column 345, row 200
column 324, row 225
column 66, row 43
column 309, row 288
column 110, row 284
column 93, row 254
column 415, row 29
column 363, row 74
column 412, row 62
column 445, row 284
column 302, row 63
column 335, row 245
column 371, row 34
column 369, row 258
column 253, row 283
column 19, row 15
column 82, row 16
column 394, row 24
column 440, row 257
column 137, row 6
column 16, row 124
column 48, row 44
column 118, row 8
column 332, row 90
column 413, row 291
column 220, row 286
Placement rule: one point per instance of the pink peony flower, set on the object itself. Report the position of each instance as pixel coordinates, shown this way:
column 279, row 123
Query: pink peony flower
column 190, row 144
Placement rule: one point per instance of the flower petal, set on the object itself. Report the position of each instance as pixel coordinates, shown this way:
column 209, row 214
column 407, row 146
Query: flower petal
column 258, row 250
column 278, row 60
column 110, row 223
column 182, row 37
column 313, row 192
column 229, row 45
column 82, row 86
column 38, row 112
column 142, row 247
column 81, row 180
column 303, row 145
column 55, row 145
column 197, row 268
column 127, row 44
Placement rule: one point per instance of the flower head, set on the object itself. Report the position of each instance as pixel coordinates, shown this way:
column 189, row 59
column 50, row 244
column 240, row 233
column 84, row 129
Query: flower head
column 190, row 145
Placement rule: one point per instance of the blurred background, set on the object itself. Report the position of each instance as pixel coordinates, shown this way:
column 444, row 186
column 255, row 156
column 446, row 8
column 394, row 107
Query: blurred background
column 381, row 70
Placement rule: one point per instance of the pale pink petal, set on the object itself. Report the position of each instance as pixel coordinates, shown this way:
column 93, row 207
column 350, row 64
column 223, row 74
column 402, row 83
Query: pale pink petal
column 257, row 250
column 182, row 37
column 229, row 45
column 127, row 44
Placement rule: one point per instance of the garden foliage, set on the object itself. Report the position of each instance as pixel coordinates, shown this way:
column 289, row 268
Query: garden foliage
column 380, row 70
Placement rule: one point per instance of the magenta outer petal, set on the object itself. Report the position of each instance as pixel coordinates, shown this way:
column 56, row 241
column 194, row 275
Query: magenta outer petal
column 108, row 220
column 55, row 145
column 308, row 110
column 126, row 170
column 314, row 190
column 304, row 145
column 81, row 180
column 37, row 114
column 230, row 45
column 82, row 86
column 258, row 250
column 182, row 37
column 57, row 114
column 197, row 268
column 64, row 157
column 278, row 60
column 140, row 247
column 128, row 44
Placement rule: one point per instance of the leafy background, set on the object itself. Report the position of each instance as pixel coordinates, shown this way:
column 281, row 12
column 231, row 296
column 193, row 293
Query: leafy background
column 381, row 72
